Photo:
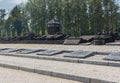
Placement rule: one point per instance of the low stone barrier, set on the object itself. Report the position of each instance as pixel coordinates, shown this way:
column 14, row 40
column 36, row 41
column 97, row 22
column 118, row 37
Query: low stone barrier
column 35, row 41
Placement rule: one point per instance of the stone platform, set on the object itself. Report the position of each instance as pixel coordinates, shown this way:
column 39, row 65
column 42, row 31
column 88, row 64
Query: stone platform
column 92, row 69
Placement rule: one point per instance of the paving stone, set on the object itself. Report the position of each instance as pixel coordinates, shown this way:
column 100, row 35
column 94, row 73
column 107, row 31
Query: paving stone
column 79, row 54
column 113, row 57
column 50, row 52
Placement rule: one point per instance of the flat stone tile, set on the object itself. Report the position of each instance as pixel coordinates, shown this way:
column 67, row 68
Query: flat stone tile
column 79, row 54
column 50, row 52
column 113, row 57
column 1, row 49
column 9, row 50
column 96, row 57
column 28, row 51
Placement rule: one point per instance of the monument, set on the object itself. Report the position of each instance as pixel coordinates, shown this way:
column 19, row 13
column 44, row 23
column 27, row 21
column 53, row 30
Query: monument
column 53, row 26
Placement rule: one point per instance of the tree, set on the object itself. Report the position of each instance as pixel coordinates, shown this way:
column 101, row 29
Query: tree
column 78, row 17
column 2, row 20
column 10, row 30
column 17, row 21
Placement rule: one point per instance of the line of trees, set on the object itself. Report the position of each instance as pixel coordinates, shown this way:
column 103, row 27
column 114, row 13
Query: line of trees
column 77, row 17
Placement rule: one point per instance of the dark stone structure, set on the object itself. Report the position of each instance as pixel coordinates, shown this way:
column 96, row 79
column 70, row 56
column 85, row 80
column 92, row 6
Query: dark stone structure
column 103, row 38
column 53, row 27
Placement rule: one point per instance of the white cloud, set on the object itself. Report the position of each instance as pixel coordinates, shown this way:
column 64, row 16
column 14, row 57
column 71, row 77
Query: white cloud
column 17, row 1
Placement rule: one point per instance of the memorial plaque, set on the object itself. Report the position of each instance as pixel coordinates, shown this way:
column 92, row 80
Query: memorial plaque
column 1, row 49
column 79, row 54
column 28, row 51
column 9, row 50
column 113, row 57
column 50, row 52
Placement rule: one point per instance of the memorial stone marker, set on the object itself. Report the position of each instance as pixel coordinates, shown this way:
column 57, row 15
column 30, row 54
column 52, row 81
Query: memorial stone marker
column 79, row 54
column 28, row 51
column 1, row 49
column 50, row 52
column 113, row 57
column 9, row 50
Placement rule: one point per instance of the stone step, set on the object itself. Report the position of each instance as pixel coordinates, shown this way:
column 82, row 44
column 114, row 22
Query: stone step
column 17, row 76
column 79, row 72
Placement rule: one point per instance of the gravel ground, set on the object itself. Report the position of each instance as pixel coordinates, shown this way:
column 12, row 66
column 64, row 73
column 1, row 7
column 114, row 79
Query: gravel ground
column 17, row 76
column 102, row 48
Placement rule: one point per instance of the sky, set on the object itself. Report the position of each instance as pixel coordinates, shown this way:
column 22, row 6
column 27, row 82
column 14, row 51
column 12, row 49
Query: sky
column 9, row 4
column 118, row 1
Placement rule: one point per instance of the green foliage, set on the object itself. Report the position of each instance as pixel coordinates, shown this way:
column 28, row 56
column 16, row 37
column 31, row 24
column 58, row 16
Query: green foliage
column 77, row 17
column 17, row 22
column 2, row 21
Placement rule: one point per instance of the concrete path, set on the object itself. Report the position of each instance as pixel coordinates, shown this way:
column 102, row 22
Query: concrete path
column 74, row 71
column 17, row 76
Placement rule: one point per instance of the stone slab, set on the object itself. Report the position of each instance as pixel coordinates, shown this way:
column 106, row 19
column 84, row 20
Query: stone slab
column 1, row 49
column 9, row 50
column 28, row 51
column 72, row 41
column 50, row 52
column 113, row 57
column 79, row 54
